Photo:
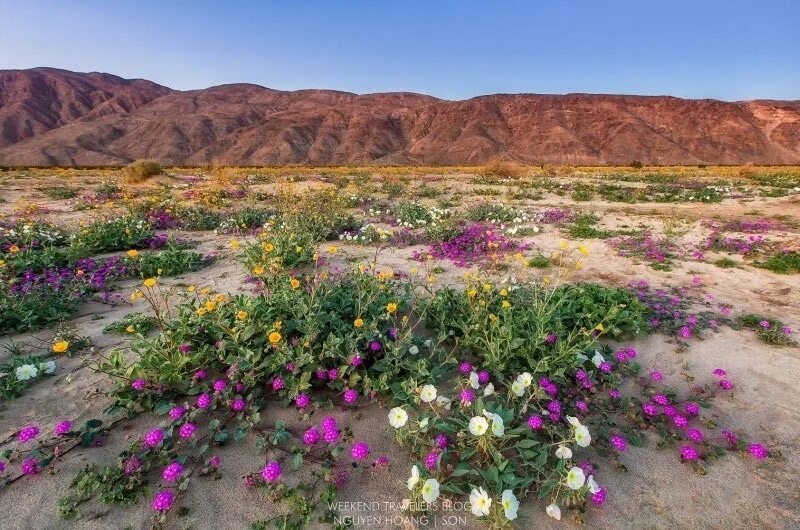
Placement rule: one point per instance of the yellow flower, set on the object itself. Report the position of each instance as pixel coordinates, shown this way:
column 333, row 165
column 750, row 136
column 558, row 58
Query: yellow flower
column 298, row 249
column 135, row 295
column 492, row 317
column 191, row 288
column 60, row 346
column 563, row 245
column 333, row 249
column 241, row 315
column 472, row 293
column 205, row 290
column 130, row 329
column 14, row 249
column 295, row 283
column 278, row 325
column 258, row 271
column 487, row 287
column 210, row 305
column 503, row 292
column 201, row 311
column 600, row 327
column 235, row 244
column 391, row 307
column 274, row 337
column 150, row 282
column 358, row 322
column 506, row 304
column 583, row 250
column 132, row 253
column 268, row 247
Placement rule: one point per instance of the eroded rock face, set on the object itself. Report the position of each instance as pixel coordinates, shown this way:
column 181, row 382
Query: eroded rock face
column 55, row 117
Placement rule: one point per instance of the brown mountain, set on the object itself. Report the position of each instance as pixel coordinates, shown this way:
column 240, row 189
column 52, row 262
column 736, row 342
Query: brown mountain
column 55, row 117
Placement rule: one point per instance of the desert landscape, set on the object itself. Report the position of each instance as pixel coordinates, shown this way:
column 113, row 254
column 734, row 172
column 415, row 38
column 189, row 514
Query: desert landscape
column 257, row 347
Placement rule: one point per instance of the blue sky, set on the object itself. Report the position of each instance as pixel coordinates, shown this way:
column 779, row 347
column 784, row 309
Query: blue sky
column 451, row 49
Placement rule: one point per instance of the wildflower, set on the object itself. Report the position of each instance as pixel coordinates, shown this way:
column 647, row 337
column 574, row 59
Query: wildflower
column 330, row 436
column 695, row 435
column 441, row 441
column 649, row 409
column 764, row 324
column 720, row 372
column 726, row 384
column 271, row 472
column 132, row 465
column 153, row 438
column 391, row 308
column 26, row 372
column 575, row 478
column 498, row 427
column 214, row 461
column 311, row 436
column 235, row 244
column 375, row 346
column 358, row 323
column 163, row 500
column 553, row 511
column 398, row 417
column 613, row 393
column 599, row 497
column 176, row 412
column 535, row 422
column 413, row 350
column 730, row 437
column 510, row 504
column 129, row 329
column 563, row 452
column 483, row 377
column 685, row 332
column 203, row 401
column 680, row 421
column 618, row 442
column 356, row 361
column 277, row 384
column 219, row 385
column 582, row 406
column 150, row 283
column 478, row 426
column 360, row 450
column 26, row 434
column 295, row 283
column 63, row 428
column 302, row 401
column 689, row 453
column 132, row 253
column 172, row 472
column 582, row 436
column 333, row 374
column 758, row 451
column 241, row 315
column 238, row 405
column 329, row 423
column 430, row 490
column 428, row 393
column 692, row 409
column 412, row 481
column 187, row 430
column 350, row 396
column 60, row 346
column 661, row 399
column 274, row 337
column 656, row 376
column 465, row 368
column 479, row 502
column 30, row 466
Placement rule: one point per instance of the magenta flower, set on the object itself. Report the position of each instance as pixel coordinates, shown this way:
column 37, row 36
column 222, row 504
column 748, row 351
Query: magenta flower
column 599, row 497
column 333, row 374
column 719, row 372
column 661, row 399
column 786, row 330
column 30, row 466
column 685, row 332
column 680, row 421
column 381, row 461
column 311, row 436
column 605, row 366
column 360, row 450
column 200, row 375
column 764, row 324
column 692, row 409
column 535, row 422
column 758, row 451
column 322, row 375
column 153, row 438
column 431, row 460
column 163, row 500
column 238, row 405
column 618, row 442
column 656, row 376
column 582, row 406
column 172, row 472
column 63, row 428
column 132, row 465
column 650, row 409
column 271, row 472
column 467, row 396
column 331, row 436
column 139, row 385
column 483, row 377
column 277, row 384
column 726, row 384
column 184, row 348
column 26, row 434
column 214, row 461
column 689, row 453
column 219, row 385
column 176, row 412
column 730, row 437
column 441, row 441
column 302, row 401
column 203, row 401
column 187, row 430
column 329, row 423
column 670, row 411
column 350, row 396
column 465, row 368
column 2, row 466
column 613, row 393
column 290, row 366
column 695, row 435
column 356, row 361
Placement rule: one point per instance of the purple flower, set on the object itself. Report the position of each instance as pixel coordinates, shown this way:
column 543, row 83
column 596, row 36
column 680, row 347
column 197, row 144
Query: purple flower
column 219, row 385
column 613, row 393
column 483, row 377
column 356, row 361
column 764, row 324
column 758, row 451
column 719, row 372
column 277, row 384
column 30, row 466
column 618, row 442
column 670, row 411
column 582, row 406
column 238, row 405
column 63, row 428
column 535, row 422
column 605, row 366
column 689, row 453
column 661, row 399
column 329, row 423
column 172, row 472
column 695, row 435
column 132, row 465
column 692, row 409
column 350, row 396
column 302, row 401
column 311, row 436
column 431, row 460
column 726, row 384
column 680, row 421
column 200, row 375
column 375, row 346
column 656, row 376
column 163, row 500
column 467, row 396
column 330, row 436
column 649, row 409
column 599, row 497
column 685, row 332
column 322, row 375
column 153, row 438
column 203, row 401
column 272, row 471
column 333, row 374
column 184, row 348
column 786, row 330
column 465, row 368
column 551, row 339
column 441, row 441
column 214, row 461
column 360, row 450
column 176, row 412
column 139, row 385
column 187, row 430
column 26, row 434
column 290, row 366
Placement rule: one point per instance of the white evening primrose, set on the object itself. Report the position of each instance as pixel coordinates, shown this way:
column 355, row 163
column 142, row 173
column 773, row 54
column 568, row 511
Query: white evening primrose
column 563, row 452
column 598, row 359
column 49, row 367
column 594, row 487
column 525, row 379
column 413, row 350
column 398, row 417
column 430, row 490
column 489, row 390
column 25, row 372
column 575, row 478
column 498, row 426
column 473, row 380
column 510, row 504
column 478, row 426
column 582, row 436
column 553, row 511
column 518, row 388
column 479, row 502
column 443, row 402
column 428, row 393
column 412, row 481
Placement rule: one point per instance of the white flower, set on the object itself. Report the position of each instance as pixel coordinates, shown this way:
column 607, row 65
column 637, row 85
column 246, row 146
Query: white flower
column 473, row 380
column 525, row 379
column 423, row 424
column 498, row 426
column 518, row 388
column 398, row 417
column 478, row 426
column 428, row 343
column 582, row 436
column 413, row 350
column 598, row 359
column 430, row 490
column 553, row 511
column 563, row 452
column 428, row 393
column 414, row 478
column 572, row 420
column 593, row 486
column 25, row 372
column 575, row 478
column 49, row 367
column 489, row 390
column 443, row 401
column 510, row 504
column 479, row 502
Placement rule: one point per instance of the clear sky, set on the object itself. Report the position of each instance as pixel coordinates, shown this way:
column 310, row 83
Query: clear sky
column 729, row 49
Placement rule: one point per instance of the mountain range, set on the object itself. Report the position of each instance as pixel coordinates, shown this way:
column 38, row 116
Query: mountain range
column 53, row 117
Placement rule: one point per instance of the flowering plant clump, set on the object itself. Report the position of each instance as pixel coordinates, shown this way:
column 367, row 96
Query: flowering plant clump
column 20, row 372
column 769, row 330
column 475, row 243
column 657, row 251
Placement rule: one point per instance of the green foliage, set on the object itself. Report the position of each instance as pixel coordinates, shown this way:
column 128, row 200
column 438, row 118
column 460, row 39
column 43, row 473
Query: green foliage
column 173, row 260
column 108, row 235
column 783, row 263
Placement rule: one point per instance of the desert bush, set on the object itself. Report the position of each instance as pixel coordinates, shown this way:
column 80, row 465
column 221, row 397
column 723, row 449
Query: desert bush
column 503, row 168
column 141, row 170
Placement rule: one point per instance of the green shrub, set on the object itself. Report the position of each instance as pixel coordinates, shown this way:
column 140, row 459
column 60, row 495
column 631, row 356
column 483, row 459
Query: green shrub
column 141, row 170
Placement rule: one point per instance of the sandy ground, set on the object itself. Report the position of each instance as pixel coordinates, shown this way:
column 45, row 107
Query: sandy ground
column 656, row 492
